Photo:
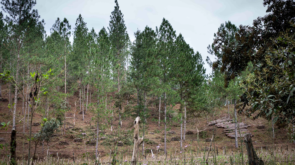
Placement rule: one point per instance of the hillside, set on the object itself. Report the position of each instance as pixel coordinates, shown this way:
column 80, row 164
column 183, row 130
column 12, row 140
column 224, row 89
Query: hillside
column 67, row 146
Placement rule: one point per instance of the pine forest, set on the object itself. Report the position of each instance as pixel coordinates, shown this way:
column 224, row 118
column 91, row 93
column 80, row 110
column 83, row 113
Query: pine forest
column 79, row 96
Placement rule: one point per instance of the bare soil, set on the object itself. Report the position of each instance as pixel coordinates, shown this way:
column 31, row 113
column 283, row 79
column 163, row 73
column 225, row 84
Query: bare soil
column 65, row 147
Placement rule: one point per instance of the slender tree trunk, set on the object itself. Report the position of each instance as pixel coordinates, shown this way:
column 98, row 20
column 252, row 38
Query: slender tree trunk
column 83, row 91
column 90, row 97
column 30, row 137
column 23, row 99
column 9, row 94
column 228, row 108
column 0, row 91
column 165, row 123
column 97, row 137
column 9, row 97
column 273, row 127
column 24, row 123
column 75, row 114
column 23, row 107
column 106, row 106
column 143, row 151
column 80, row 98
column 13, row 133
column 138, row 102
column 294, row 133
column 65, row 120
column 27, row 96
column 184, row 124
column 97, row 132
column 0, row 72
column 181, row 121
column 47, row 106
column 119, row 89
column 236, row 127
column 65, row 77
column 87, row 97
column 159, row 111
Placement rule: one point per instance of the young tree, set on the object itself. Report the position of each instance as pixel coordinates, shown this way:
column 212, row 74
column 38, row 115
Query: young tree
column 143, row 68
column 78, row 57
column 119, row 41
column 165, row 47
column 20, row 16
column 223, row 47
column 234, row 92
column 187, row 72
column 64, row 30
column 4, row 56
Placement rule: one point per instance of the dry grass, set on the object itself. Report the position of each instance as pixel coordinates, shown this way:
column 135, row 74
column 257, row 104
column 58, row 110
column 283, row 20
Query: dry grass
column 194, row 154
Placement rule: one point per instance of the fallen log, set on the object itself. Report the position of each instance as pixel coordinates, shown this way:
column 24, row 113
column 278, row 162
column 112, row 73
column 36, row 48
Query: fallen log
column 219, row 121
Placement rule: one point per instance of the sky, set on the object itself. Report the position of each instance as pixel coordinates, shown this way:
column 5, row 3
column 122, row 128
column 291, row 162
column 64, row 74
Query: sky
column 196, row 20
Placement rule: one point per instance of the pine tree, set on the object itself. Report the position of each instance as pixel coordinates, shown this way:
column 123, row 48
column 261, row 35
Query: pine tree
column 78, row 57
column 144, row 69
column 20, row 15
column 64, row 30
column 4, row 56
column 119, row 41
column 166, row 48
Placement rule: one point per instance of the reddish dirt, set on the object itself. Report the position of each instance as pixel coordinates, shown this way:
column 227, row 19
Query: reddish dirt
column 65, row 147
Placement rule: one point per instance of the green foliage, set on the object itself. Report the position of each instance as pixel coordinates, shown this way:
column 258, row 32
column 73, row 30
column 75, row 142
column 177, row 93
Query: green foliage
column 224, row 48
column 47, row 130
column 5, row 125
column 270, row 87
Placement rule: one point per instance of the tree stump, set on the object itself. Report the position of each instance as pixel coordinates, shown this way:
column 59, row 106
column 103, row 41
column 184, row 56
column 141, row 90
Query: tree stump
column 252, row 156
column 137, row 141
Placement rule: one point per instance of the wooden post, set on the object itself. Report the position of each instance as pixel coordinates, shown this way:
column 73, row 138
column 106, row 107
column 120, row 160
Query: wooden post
column 137, row 141
column 252, row 156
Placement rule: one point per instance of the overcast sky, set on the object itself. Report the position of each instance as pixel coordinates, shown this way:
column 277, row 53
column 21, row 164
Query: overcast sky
column 196, row 20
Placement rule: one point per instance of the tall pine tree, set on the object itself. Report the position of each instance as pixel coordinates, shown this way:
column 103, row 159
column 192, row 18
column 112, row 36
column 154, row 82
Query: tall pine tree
column 119, row 41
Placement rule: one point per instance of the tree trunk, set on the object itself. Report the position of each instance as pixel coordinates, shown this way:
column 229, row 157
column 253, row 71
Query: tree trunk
column 252, row 156
column 236, row 127
column 27, row 97
column 143, row 151
column 24, row 123
column 184, row 124
column 137, row 141
column 13, row 148
column 0, row 91
column 65, row 76
column 294, row 133
column 159, row 111
column 82, row 100
column 273, row 127
column 181, row 135
column 65, row 120
column 138, row 102
column 12, row 145
column 23, row 99
column 47, row 106
column 9, row 97
column 119, row 89
column 97, row 136
column 90, row 97
column 228, row 108
column 87, row 97
column 30, row 135
column 165, row 123
column 75, row 113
